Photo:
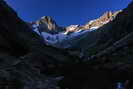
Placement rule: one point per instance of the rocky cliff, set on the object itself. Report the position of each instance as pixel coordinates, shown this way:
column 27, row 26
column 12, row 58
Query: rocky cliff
column 104, row 19
column 47, row 24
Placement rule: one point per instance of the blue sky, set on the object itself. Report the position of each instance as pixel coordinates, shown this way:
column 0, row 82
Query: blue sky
column 65, row 12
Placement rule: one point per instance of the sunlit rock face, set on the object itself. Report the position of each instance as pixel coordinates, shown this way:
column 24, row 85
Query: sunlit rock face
column 104, row 19
column 72, row 28
column 47, row 24
column 94, row 24
column 50, row 23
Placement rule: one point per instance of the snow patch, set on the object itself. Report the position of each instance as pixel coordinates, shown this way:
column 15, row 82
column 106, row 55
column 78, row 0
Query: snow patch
column 94, row 28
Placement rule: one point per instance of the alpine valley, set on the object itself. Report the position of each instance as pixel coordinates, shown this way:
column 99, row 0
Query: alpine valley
column 44, row 55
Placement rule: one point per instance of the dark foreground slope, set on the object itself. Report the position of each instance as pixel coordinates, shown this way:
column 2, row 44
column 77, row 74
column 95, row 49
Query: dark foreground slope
column 24, row 59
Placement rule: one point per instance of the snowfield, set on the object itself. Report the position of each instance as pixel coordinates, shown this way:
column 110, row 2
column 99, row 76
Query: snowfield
column 55, row 39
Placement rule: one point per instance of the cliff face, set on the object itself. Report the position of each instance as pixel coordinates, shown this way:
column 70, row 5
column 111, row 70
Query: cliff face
column 47, row 24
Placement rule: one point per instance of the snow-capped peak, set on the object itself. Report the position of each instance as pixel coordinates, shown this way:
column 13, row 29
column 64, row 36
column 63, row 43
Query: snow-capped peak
column 59, row 36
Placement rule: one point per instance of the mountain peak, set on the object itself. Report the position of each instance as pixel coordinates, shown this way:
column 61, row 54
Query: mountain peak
column 47, row 24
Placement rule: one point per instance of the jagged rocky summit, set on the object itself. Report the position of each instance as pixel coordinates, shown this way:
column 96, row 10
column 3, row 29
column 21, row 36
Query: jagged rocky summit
column 47, row 24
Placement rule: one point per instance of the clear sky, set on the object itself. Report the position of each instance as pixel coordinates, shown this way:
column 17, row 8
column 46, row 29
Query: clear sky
column 65, row 12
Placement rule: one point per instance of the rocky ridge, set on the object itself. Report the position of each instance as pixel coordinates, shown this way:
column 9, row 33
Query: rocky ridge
column 50, row 25
column 97, row 23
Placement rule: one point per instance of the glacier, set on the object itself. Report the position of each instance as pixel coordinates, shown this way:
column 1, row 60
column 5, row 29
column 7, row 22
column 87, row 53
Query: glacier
column 57, row 39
